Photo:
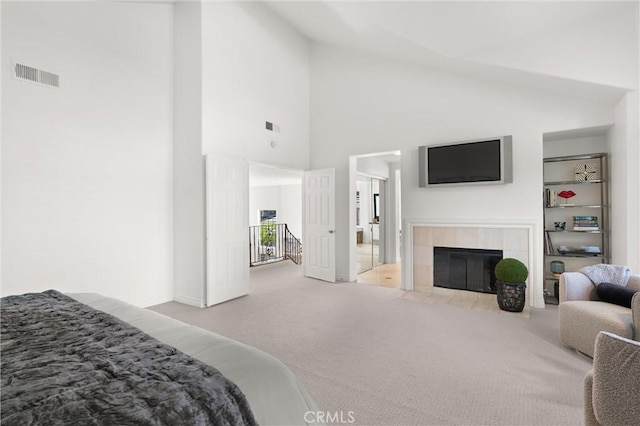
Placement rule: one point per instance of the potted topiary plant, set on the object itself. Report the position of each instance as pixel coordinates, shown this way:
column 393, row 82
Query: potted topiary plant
column 510, row 284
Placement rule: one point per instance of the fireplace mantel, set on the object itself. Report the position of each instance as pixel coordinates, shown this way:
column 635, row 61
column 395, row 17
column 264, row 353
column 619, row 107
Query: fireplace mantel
column 517, row 239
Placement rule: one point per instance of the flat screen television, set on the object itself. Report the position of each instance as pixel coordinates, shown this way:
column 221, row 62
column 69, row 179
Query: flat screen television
column 479, row 161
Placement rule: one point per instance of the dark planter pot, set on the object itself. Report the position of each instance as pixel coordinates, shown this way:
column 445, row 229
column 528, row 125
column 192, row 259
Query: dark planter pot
column 510, row 296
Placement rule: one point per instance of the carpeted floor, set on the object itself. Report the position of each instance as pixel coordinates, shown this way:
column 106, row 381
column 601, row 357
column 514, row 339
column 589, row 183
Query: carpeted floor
column 362, row 349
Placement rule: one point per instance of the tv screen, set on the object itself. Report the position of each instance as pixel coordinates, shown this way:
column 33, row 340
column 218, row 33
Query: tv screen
column 481, row 161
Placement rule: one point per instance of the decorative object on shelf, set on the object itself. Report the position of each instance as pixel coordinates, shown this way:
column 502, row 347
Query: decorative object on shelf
column 559, row 226
column 566, row 194
column 590, row 249
column 557, row 267
column 510, row 284
column 585, row 223
column 585, row 171
column 582, row 250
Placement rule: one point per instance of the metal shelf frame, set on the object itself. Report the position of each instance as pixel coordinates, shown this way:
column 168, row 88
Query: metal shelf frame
column 602, row 207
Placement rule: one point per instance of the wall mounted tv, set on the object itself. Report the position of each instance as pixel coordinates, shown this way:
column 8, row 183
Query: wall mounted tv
column 480, row 161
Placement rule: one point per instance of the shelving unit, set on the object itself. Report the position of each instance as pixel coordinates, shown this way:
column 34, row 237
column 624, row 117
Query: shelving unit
column 587, row 177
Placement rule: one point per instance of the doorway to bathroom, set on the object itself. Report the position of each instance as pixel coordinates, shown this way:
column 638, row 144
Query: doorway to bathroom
column 369, row 219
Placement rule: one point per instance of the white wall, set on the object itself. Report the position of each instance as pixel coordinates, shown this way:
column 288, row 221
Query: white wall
column 373, row 166
column 188, row 179
column 291, row 208
column 255, row 68
column 393, row 213
column 365, row 104
column 1, row 199
column 263, row 198
column 625, row 188
column 86, row 168
column 575, row 146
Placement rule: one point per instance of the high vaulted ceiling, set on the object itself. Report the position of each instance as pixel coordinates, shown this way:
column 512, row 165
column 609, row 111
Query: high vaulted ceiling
column 580, row 48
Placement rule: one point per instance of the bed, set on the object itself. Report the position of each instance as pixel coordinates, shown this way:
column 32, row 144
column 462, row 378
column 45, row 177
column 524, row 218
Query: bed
column 273, row 394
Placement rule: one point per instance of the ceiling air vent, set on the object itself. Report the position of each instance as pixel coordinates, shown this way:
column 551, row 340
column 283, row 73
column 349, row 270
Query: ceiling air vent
column 35, row 75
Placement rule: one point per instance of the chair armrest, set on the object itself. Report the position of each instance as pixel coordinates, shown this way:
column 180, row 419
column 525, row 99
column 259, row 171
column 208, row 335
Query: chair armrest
column 616, row 368
column 634, row 282
column 589, row 415
column 576, row 286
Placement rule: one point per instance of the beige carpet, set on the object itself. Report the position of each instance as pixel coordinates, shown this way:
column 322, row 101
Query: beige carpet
column 364, row 349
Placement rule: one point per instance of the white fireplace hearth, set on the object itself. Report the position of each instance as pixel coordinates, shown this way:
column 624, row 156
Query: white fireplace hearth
column 515, row 239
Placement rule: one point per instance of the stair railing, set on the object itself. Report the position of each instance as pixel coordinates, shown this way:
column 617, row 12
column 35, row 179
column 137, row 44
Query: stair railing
column 293, row 246
column 273, row 242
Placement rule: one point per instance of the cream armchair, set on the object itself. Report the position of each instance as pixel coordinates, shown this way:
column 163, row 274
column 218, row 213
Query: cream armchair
column 582, row 315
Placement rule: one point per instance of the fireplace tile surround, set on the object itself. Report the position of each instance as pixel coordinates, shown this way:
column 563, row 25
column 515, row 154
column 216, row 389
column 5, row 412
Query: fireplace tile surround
column 513, row 241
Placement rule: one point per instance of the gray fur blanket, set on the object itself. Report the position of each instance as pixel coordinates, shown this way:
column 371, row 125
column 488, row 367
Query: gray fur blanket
column 605, row 273
column 66, row 363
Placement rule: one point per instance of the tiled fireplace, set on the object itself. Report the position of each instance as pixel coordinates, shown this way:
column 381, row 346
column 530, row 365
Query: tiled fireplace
column 465, row 268
column 513, row 240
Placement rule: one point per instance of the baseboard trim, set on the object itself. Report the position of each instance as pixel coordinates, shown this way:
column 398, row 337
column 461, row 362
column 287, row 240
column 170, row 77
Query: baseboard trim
column 156, row 301
column 191, row 301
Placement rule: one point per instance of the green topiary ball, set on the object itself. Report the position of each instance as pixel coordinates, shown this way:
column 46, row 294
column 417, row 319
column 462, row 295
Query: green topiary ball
column 510, row 270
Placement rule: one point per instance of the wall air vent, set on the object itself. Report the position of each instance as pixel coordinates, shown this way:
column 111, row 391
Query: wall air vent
column 35, row 75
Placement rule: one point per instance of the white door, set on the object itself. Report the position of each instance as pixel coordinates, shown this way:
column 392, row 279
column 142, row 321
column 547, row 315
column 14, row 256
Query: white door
column 227, row 228
column 320, row 224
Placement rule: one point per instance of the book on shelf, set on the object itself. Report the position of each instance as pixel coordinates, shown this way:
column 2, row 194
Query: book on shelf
column 548, row 245
column 550, row 198
column 585, row 223
column 585, row 219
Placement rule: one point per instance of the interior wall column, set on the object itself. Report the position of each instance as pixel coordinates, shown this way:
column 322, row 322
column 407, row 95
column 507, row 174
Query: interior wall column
column 188, row 162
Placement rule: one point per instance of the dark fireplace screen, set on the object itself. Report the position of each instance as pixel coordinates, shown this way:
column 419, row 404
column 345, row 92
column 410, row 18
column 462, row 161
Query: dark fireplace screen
column 465, row 269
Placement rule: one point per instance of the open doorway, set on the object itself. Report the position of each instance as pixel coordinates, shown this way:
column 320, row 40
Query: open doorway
column 377, row 219
column 275, row 214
